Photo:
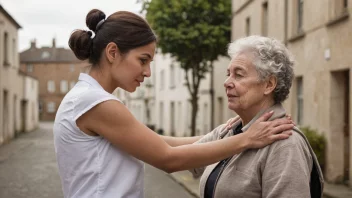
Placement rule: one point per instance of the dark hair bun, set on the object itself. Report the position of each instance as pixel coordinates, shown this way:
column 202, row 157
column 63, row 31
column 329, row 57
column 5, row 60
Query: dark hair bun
column 93, row 18
column 80, row 43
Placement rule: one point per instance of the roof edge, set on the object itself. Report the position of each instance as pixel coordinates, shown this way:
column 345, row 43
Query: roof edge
column 10, row 17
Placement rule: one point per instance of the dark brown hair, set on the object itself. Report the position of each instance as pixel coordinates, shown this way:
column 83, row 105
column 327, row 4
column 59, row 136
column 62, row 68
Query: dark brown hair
column 126, row 29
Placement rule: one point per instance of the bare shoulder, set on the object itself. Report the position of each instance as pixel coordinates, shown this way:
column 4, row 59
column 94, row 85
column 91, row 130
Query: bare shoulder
column 105, row 115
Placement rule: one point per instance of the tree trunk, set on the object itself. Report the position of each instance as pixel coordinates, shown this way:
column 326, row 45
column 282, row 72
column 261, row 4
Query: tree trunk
column 211, row 98
column 194, row 102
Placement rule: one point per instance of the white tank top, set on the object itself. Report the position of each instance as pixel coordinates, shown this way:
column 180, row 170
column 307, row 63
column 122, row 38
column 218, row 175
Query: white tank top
column 90, row 166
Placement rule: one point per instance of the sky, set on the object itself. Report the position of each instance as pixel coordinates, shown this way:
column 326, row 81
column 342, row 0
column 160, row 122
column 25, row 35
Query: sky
column 44, row 20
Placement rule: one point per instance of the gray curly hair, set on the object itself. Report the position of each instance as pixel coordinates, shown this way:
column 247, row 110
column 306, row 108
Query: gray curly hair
column 271, row 58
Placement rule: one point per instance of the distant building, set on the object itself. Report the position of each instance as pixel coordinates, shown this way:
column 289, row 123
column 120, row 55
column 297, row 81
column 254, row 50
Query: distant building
column 57, row 70
column 18, row 92
column 163, row 101
column 319, row 34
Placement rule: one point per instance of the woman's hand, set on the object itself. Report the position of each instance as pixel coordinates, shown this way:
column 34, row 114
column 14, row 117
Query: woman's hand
column 231, row 122
column 262, row 132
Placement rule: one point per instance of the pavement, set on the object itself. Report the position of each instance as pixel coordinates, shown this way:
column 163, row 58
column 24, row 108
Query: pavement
column 191, row 184
column 28, row 169
column 158, row 184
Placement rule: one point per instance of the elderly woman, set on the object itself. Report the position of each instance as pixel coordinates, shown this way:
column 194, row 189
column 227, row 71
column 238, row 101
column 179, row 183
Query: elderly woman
column 259, row 79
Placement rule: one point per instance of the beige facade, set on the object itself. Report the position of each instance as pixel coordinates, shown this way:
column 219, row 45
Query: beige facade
column 29, row 104
column 13, row 87
column 319, row 34
column 57, row 70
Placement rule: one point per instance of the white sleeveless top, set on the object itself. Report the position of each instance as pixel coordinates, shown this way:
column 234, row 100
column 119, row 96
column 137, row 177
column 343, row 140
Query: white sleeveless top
column 89, row 166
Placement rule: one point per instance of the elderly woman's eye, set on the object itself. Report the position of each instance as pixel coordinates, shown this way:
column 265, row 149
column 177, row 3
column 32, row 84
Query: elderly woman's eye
column 239, row 75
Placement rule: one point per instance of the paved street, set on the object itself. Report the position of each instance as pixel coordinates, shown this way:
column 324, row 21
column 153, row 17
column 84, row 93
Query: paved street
column 28, row 170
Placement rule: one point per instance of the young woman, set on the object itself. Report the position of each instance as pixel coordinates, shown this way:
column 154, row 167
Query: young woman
column 100, row 146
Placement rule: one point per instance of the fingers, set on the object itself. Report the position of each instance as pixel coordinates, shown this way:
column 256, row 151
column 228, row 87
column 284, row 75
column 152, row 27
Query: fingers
column 281, row 136
column 280, row 121
column 282, row 127
column 289, row 132
column 288, row 116
column 265, row 117
column 235, row 119
column 232, row 121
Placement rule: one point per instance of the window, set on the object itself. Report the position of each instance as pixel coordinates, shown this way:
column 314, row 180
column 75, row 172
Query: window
column 180, row 75
column 205, row 119
column 172, row 76
column 51, row 86
column 299, row 16
column 14, row 53
column 33, row 111
column 6, row 49
column 29, row 68
column 51, row 107
column 161, row 115
column 72, row 68
column 180, row 116
column 299, row 99
column 338, row 10
column 248, row 26
column 72, row 84
column 40, row 108
column 265, row 19
column 63, row 86
column 45, row 55
column 221, row 111
column 162, row 80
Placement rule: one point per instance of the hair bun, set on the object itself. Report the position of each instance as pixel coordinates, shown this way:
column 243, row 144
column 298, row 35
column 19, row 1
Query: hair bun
column 93, row 18
column 80, row 43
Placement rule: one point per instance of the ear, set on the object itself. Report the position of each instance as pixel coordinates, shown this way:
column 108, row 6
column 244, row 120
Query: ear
column 270, row 85
column 112, row 52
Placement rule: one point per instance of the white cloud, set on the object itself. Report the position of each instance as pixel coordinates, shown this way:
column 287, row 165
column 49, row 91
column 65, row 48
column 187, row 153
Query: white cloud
column 44, row 19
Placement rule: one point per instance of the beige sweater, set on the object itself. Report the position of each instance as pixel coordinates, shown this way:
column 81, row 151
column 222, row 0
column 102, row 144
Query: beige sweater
column 282, row 169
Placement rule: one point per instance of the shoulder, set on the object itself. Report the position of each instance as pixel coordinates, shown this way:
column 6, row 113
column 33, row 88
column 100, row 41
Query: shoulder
column 296, row 142
column 90, row 98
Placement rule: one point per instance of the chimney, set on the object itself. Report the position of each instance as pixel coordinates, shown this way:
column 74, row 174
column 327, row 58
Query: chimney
column 33, row 44
column 54, row 43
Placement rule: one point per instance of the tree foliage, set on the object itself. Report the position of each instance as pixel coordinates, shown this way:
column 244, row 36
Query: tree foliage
column 194, row 32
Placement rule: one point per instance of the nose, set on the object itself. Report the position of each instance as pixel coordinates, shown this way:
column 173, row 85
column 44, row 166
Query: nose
column 228, row 84
column 147, row 72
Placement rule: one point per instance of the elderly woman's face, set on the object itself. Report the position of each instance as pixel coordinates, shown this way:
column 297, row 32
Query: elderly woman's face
column 243, row 87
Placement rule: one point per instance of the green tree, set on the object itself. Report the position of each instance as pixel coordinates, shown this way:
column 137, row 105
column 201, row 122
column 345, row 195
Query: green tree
column 195, row 33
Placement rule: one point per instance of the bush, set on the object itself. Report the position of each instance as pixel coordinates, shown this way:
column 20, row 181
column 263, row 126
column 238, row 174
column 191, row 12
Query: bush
column 317, row 142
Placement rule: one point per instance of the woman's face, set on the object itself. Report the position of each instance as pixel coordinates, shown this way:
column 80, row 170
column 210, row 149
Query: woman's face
column 243, row 87
column 133, row 67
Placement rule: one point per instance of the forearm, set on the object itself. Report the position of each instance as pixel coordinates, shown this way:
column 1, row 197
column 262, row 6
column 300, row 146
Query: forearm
column 179, row 141
column 199, row 155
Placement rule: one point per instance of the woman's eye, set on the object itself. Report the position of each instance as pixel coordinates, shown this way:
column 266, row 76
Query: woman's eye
column 239, row 75
column 228, row 74
column 143, row 61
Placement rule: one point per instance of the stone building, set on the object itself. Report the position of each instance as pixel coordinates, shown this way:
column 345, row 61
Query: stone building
column 319, row 34
column 18, row 92
column 57, row 70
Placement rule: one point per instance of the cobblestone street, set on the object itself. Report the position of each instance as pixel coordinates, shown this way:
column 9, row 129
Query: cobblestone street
column 28, row 170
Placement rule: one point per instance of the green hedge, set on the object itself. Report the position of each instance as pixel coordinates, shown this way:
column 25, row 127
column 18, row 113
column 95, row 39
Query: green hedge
column 318, row 143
